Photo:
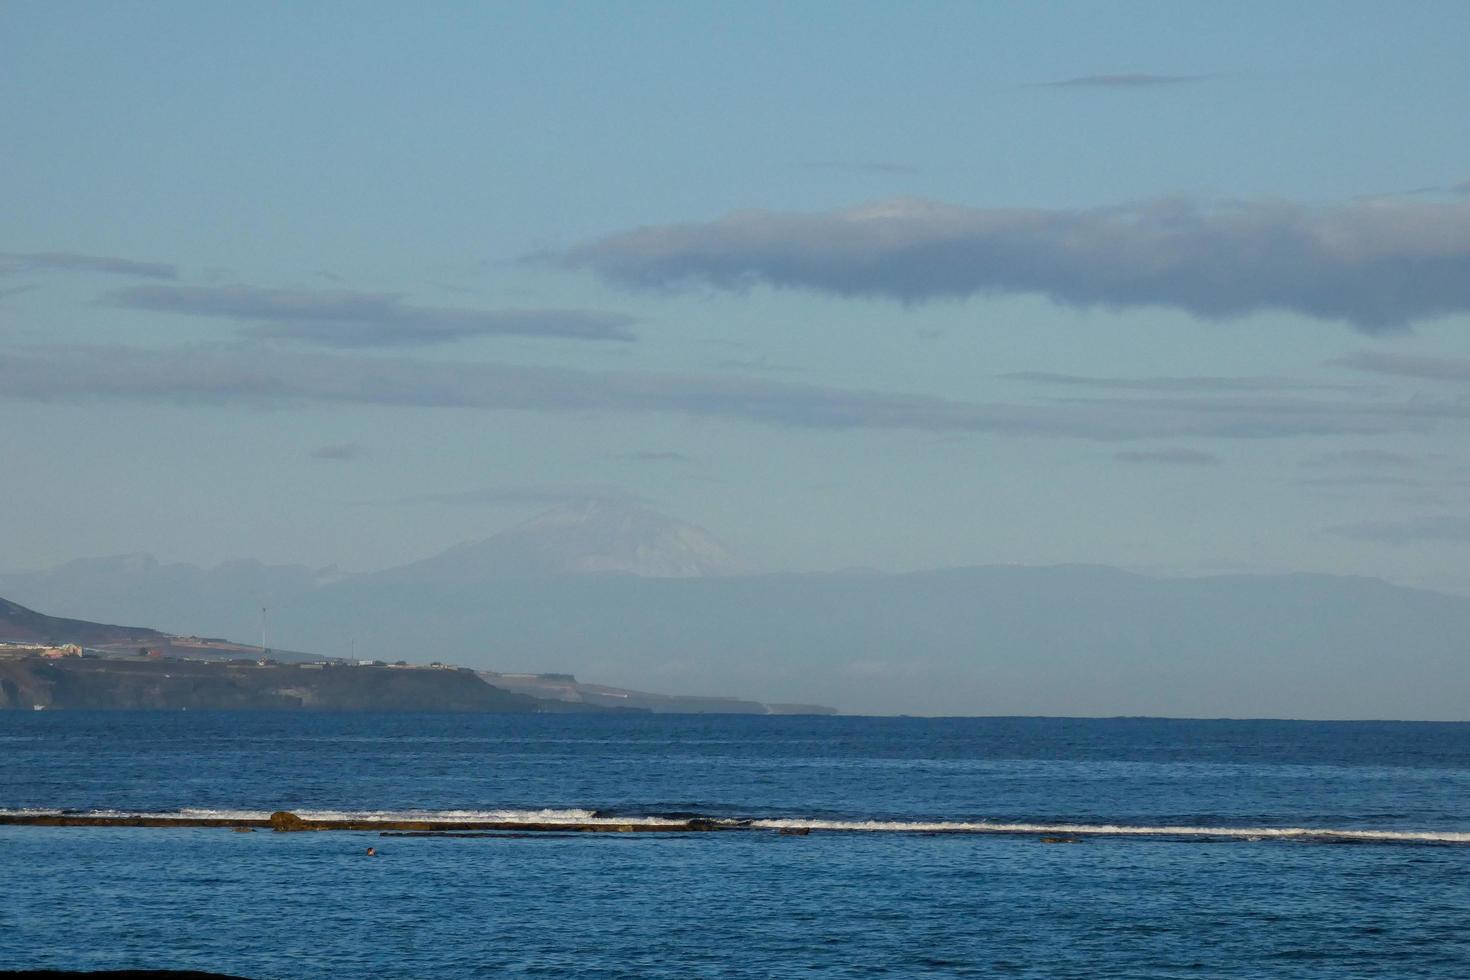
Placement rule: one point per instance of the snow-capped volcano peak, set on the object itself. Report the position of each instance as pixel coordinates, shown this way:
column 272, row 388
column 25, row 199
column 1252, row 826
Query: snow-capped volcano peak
column 588, row 538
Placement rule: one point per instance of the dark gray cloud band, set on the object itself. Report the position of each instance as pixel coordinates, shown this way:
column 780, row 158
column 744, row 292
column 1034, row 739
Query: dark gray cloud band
column 1376, row 265
column 266, row 378
column 346, row 319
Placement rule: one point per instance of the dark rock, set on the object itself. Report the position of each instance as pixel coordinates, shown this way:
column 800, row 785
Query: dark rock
column 794, row 831
column 285, row 820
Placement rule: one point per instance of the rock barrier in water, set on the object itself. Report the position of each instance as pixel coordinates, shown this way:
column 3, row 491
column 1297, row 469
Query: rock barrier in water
column 287, row 822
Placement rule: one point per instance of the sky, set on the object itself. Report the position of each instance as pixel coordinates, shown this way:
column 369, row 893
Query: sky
column 1182, row 288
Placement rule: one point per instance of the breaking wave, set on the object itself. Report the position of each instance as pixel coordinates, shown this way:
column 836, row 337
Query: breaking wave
column 1115, row 830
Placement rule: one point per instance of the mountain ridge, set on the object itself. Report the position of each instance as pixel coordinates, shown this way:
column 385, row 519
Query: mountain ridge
column 1070, row 639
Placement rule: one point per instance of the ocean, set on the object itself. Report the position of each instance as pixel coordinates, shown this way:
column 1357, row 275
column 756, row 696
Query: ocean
column 1192, row 848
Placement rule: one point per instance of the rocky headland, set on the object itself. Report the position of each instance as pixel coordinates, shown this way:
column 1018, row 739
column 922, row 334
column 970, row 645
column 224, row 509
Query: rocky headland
column 71, row 682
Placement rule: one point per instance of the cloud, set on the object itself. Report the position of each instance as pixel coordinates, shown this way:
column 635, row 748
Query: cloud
column 340, row 451
column 1172, row 457
column 1363, row 458
column 539, row 495
column 344, row 318
column 1126, row 80
column 756, row 364
column 666, row 456
column 1407, row 366
column 1187, row 383
column 268, row 378
column 12, row 263
column 1376, row 265
column 1446, row 528
column 1375, row 480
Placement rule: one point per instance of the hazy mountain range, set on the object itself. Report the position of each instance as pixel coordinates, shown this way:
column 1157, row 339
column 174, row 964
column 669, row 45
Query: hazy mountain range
column 622, row 596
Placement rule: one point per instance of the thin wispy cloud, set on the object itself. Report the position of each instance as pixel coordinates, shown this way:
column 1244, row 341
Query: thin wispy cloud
column 656, row 456
column 265, row 378
column 1200, row 384
column 12, row 263
column 1268, row 417
column 1376, row 459
column 1362, row 480
column 348, row 319
column 1124, row 80
column 878, row 167
column 1169, row 457
column 341, row 452
column 1446, row 528
column 538, row 495
column 10, row 291
column 1378, row 266
column 1407, row 366
column 760, row 364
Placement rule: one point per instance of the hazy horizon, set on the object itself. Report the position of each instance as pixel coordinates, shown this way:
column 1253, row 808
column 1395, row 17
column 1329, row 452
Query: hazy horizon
column 617, row 594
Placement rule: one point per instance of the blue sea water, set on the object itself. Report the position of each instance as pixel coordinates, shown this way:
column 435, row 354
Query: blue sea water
column 1207, row 848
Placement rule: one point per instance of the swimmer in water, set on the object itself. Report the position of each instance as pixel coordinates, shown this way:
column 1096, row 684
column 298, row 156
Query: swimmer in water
column 372, row 852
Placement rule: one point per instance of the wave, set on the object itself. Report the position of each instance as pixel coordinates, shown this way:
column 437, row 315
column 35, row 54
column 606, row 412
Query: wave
column 1115, row 830
column 681, row 819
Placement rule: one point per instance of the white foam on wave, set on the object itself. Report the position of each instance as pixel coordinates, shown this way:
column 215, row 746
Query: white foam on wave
column 1114, row 830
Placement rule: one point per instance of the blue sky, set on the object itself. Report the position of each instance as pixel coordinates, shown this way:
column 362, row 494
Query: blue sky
column 1181, row 288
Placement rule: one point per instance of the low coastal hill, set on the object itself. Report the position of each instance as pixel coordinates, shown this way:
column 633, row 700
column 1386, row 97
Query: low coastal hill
column 51, row 662
column 78, row 682
column 21, row 625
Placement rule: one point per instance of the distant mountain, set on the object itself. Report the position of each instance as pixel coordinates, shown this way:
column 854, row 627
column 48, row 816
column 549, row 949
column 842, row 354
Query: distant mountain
column 221, row 601
column 21, row 625
column 628, row 598
column 592, row 538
